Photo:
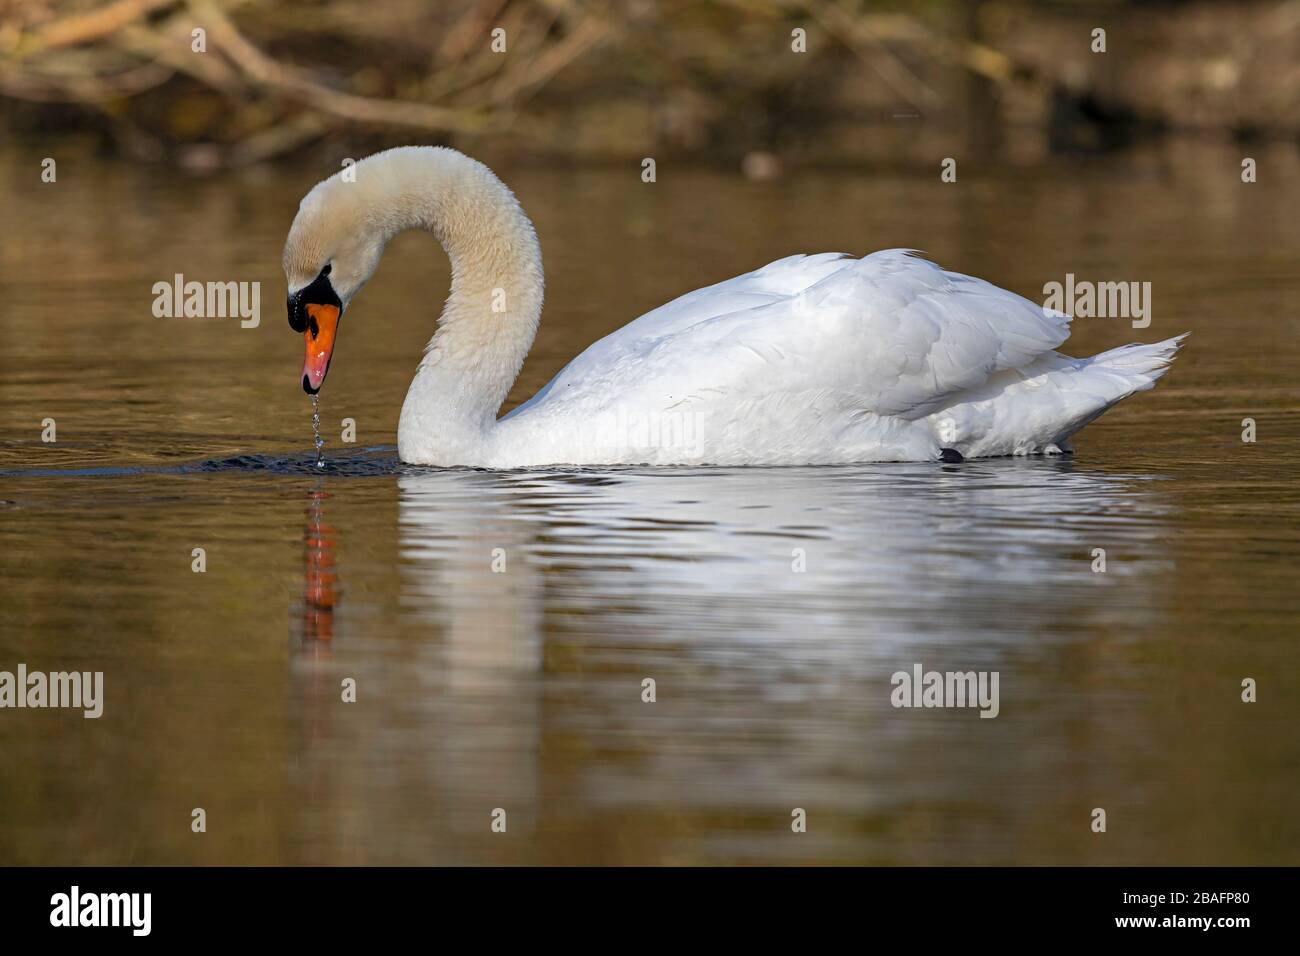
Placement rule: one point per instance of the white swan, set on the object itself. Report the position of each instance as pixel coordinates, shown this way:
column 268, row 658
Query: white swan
column 818, row 359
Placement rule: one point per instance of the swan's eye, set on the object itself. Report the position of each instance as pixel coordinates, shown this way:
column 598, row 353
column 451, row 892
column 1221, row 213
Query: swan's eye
column 326, row 270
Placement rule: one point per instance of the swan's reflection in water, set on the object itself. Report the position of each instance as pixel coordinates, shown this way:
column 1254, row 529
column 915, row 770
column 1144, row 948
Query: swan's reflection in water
column 770, row 607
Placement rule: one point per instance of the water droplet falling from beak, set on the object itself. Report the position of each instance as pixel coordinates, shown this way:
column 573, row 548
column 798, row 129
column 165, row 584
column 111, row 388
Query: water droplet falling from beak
column 315, row 430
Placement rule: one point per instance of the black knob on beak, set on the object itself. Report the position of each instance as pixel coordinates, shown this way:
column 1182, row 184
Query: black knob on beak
column 297, row 312
column 319, row 292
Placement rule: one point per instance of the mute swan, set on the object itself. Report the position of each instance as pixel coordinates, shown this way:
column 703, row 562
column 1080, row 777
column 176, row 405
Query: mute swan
column 816, row 359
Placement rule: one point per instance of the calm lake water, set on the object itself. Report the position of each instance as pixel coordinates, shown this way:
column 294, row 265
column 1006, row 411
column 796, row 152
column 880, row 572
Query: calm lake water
column 522, row 690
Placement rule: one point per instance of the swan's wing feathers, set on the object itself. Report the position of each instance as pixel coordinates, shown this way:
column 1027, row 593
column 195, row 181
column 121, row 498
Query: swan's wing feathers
column 621, row 360
column 906, row 334
column 775, row 282
column 891, row 333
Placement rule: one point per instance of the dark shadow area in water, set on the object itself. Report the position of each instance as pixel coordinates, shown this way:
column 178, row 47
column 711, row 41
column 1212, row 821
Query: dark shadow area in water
column 382, row 460
column 363, row 463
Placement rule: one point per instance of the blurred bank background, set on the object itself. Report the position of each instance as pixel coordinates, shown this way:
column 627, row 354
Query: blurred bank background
column 608, row 80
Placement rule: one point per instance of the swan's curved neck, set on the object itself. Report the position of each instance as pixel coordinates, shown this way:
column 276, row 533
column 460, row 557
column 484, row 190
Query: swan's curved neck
column 490, row 318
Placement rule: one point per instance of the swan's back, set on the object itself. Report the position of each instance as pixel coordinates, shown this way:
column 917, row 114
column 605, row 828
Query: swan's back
column 888, row 334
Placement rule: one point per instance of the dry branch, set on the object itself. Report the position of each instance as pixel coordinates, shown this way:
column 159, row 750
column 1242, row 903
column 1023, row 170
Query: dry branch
column 90, row 26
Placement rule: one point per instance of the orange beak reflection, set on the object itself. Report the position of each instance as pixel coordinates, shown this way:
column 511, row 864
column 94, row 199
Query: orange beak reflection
column 322, row 328
column 320, row 581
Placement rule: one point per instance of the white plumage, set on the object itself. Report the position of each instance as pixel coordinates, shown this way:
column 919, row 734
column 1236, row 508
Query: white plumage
column 816, row 359
column 825, row 359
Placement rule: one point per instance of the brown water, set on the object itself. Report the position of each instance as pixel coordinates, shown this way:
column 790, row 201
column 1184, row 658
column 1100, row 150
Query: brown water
column 521, row 689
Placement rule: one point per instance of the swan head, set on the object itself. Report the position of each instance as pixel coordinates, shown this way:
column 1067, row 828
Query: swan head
column 331, row 252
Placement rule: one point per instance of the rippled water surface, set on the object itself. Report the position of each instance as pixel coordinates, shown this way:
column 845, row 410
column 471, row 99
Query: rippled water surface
column 499, row 626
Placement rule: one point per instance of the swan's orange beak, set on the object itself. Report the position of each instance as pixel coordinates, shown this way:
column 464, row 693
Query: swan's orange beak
column 322, row 327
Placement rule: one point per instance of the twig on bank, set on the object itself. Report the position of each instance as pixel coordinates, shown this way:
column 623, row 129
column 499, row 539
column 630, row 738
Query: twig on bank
column 92, row 25
column 265, row 72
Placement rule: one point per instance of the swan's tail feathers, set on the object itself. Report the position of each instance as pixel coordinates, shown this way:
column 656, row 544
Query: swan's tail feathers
column 1038, row 408
column 1140, row 365
column 1105, row 380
